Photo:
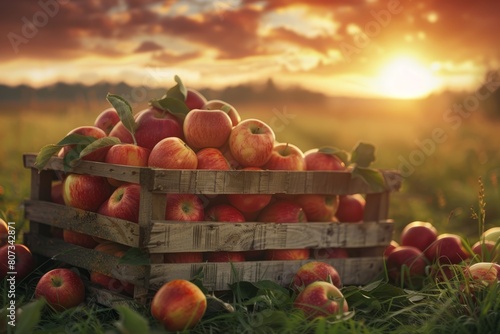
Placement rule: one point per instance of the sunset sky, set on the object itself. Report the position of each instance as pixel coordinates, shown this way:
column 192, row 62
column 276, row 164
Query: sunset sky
column 401, row 49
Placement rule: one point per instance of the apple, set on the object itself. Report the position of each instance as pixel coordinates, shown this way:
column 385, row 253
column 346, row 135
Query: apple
column 108, row 282
column 486, row 273
column 121, row 132
column 282, row 211
column 447, row 249
column 406, row 266
column 316, row 271
column 321, row 299
column 194, row 99
column 16, row 259
column 286, row 254
column 90, row 131
column 251, row 143
column 254, row 255
column 222, row 256
column 178, row 305
column 317, row 159
column 123, row 203
column 226, row 107
column 224, row 213
column 392, row 246
column 487, row 250
column 107, row 120
column 318, row 208
column 153, row 125
column 4, row 232
column 183, row 257
column 172, row 153
column 56, row 192
column 492, row 234
column 351, row 208
column 126, row 154
column 418, row 234
column 86, row 192
column 330, row 253
column 248, row 203
column 285, row 156
column 226, row 152
column 62, row 289
column 184, row 207
column 79, row 239
column 212, row 158
column 206, row 128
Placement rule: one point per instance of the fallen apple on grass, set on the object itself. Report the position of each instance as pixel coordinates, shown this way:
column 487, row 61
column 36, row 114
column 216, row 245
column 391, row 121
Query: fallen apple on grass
column 485, row 273
column 486, row 250
column 178, row 305
column 321, row 299
column 418, row 234
column 62, row 289
column 447, row 249
column 316, row 271
column 16, row 259
column 4, row 232
column 406, row 266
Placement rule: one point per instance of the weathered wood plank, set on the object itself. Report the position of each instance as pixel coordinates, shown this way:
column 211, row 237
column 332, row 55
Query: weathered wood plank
column 98, row 295
column 216, row 276
column 211, row 236
column 91, row 223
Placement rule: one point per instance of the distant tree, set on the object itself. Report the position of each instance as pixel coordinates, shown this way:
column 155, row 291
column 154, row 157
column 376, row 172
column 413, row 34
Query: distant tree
column 491, row 105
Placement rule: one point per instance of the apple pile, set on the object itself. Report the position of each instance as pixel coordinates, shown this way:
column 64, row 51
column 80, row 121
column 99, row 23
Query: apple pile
column 184, row 130
column 422, row 250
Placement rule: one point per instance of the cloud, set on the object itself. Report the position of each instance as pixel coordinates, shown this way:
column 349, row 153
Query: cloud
column 148, row 46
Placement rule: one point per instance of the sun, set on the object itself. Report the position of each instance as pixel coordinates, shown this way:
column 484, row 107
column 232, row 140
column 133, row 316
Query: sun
column 406, row 78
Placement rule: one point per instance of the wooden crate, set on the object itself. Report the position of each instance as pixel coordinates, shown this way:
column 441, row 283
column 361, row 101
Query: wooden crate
column 155, row 236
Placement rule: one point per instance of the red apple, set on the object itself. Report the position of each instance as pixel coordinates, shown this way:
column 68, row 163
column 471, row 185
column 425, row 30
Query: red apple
column 121, row 132
column 226, row 152
column 226, row 107
column 251, row 143
column 194, row 99
column 392, row 246
column 126, row 154
column 321, row 299
column 206, row 128
column 16, row 259
column 318, row 208
column 418, row 234
column 86, row 192
column 351, row 208
column 79, row 239
column 317, row 159
column 183, row 257
column 286, row 254
column 254, row 255
column 447, row 249
column 172, row 153
column 212, row 158
column 487, row 250
column 248, row 203
column 486, row 273
column 492, row 234
column 330, row 253
column 406, row 266
column 107, row 120
column 282, row 211
column 56, row 192
column 178, row 305
column 316, row 271
column 153, row 125
column 184, row 207
column 225, row 256
column 285, row 156
column 224, row 213
column 90, row 131
column 62, row 289
column 4, row 232
column 123, row 203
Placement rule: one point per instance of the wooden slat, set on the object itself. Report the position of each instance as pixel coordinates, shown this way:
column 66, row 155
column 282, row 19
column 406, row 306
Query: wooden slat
column 211, row 236
column 91, row 223
column 102, row 296
column 216, row 276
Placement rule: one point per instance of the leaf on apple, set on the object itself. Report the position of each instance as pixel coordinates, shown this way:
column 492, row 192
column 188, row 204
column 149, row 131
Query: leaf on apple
column 130, row 321
column 46, row 152
column 363, row 155
column 372, row 177
column 179, row 91
column 135, row 257
column 341, row 154
column 98, row 144
column 174, row 101
column 124, row 110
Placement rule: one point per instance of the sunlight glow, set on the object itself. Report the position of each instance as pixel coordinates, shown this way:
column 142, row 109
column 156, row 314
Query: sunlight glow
column 406, row 78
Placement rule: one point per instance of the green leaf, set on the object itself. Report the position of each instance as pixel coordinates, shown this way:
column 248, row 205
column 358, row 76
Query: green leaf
column 98, row 144
column 29, row 317
column 363, row 155
column 372, row 177
column 130, row 321
column 43, row 157
column 341, row 154
column 179, row 91
column 75, row 139
column 172, row 105
column 46, row 152
column 134, row 257
column 124, row 110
